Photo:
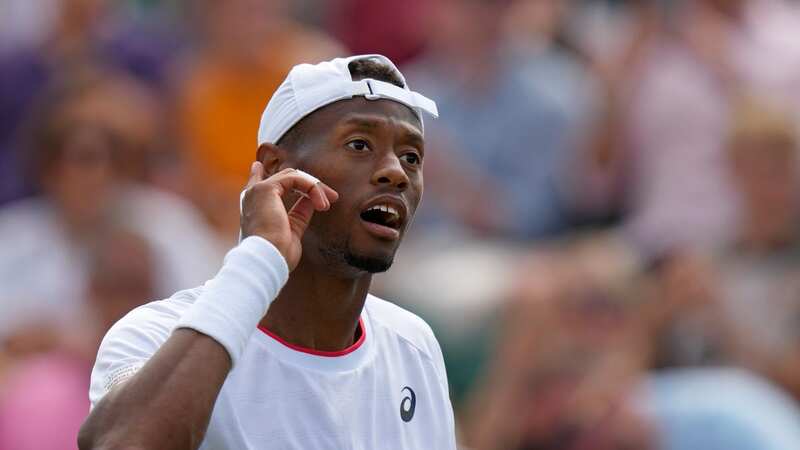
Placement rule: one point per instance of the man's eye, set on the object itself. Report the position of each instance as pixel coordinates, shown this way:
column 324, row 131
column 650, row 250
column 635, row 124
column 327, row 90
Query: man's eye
column 358, row 145
column 412, row 158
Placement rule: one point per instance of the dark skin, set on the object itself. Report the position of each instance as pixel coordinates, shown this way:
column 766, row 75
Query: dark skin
column 320, row 305
column 362, row 151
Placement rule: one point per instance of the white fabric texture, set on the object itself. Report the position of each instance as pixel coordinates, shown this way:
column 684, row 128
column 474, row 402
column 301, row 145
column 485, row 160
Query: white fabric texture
column 309, row 87
column 235, row 300
column 278, row 397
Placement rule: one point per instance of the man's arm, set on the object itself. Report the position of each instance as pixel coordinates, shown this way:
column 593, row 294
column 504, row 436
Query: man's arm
column 167, row 404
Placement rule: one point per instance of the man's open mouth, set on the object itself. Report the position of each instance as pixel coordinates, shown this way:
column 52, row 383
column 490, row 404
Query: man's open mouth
column 384, row 215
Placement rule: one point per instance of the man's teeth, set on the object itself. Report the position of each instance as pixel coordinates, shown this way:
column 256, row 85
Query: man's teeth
column 384, row 208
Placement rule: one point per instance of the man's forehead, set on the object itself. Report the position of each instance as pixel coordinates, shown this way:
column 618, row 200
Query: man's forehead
column 367, row 114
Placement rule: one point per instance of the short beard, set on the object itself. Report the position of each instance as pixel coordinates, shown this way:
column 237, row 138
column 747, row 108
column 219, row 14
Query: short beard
column 341, row 253
column 367, row 264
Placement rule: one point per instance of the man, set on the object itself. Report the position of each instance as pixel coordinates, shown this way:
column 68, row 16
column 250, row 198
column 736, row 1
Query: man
column 330, row 366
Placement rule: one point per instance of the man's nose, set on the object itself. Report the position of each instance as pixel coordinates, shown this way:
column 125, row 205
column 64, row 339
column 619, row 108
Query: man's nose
column 390, row 172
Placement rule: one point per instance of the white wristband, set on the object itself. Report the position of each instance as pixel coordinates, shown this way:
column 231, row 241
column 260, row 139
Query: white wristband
column 237, row 298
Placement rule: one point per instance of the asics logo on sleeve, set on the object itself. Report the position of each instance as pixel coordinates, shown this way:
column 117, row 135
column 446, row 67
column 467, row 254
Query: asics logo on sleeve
column 408, row 404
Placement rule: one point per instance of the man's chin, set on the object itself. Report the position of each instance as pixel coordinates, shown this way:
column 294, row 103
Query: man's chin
column 349, row 257
column 370, row 264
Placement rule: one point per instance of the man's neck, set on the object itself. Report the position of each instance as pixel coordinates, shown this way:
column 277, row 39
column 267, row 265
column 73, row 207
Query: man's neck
column 318, row 310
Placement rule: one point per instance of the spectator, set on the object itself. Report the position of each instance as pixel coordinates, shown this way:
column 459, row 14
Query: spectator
column 509, row 118
column 719, row 409
column 759, row 274
column 77, row 33
column 44, row 397
column 683, row 315
column 740, row 306
column 570, row 354
column 247, row 48
column 81, row 156
column 398, row 30
column 674, row 96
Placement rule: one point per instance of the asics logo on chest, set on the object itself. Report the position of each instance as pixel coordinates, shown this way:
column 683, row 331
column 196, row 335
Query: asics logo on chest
column 408, row 404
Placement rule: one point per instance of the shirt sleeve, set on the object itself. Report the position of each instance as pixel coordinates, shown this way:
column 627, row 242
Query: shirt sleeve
column 130, row 343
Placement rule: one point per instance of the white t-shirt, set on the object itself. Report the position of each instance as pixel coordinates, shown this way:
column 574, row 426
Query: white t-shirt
column 387, row 391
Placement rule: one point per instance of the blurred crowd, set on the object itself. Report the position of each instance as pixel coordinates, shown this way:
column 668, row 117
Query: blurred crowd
column 609, row 244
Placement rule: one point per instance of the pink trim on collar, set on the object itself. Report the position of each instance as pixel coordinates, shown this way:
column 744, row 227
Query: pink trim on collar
column 314, row 352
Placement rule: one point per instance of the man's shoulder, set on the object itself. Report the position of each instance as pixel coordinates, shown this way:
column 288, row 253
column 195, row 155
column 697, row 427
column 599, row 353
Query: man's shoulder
column 406, row 325
column 160, row 313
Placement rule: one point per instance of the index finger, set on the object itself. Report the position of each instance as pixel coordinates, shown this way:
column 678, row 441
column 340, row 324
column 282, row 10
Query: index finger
column 297, row 180
column 326, row 191
column 256, row 174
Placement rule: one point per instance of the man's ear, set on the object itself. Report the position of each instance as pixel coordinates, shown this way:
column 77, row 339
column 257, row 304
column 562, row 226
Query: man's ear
column 271, row 157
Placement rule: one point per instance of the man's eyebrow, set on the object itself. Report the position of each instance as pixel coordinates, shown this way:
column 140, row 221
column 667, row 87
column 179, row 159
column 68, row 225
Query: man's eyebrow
column 414, row 137
column 361, row 122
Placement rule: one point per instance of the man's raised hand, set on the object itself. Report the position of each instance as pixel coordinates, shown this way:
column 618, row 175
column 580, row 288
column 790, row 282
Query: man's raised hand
column 264, row 213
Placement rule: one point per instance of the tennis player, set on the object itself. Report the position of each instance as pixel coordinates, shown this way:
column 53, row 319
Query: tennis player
column 285, row 348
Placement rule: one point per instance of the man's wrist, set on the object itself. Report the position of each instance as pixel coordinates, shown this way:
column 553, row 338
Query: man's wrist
column 237, row 298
